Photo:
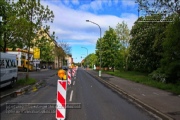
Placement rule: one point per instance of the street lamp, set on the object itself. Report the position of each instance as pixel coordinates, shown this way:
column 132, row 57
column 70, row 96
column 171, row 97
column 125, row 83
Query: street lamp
column 87, row 53
column 100, row 44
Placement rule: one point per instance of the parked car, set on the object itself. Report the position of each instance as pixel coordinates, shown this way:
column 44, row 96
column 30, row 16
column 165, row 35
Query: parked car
column 65, row 68
column 8, row 69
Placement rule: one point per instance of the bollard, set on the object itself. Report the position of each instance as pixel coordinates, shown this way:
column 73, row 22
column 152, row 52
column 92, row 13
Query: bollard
column 61, row 95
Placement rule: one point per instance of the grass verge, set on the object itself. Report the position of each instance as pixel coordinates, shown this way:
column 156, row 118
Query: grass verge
column 145, row 79
column 29, row 81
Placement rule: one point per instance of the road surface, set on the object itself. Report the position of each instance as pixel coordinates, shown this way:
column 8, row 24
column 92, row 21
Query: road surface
column 97, row 102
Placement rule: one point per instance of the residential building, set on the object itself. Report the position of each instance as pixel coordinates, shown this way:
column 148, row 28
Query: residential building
column 58, row 60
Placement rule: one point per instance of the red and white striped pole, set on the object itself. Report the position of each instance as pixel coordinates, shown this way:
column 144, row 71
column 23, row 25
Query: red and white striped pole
column 69, row 77
column 61, row 99
column 75, row 69
column 73, row 72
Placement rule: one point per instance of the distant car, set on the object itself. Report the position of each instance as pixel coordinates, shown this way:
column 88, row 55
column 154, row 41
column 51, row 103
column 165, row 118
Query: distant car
column 65, row 67
column 38, row 68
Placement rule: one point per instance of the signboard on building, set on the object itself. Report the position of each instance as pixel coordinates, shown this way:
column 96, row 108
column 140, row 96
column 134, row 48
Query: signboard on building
column 36, row 53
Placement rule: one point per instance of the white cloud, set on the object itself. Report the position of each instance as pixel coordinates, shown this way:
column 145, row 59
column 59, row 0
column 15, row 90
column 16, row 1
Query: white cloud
column 75, row 2
column 71, row 25
column 94, row 5
column 128, row 3
column 66, row 2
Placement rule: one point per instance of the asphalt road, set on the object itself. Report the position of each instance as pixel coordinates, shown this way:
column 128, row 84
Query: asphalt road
column 100, row 103
column 97, row 102
column 38, row 75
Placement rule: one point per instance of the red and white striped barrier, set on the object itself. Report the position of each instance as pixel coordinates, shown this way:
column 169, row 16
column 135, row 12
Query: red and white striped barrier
column 73, row 72
column 69, row 77
column 61, row 99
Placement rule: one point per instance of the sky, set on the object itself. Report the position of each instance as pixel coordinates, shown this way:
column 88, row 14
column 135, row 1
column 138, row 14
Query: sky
column 70, row 24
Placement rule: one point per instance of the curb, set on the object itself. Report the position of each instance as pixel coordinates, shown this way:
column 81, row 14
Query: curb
column 133, row 99
column 21, row 91
column 28, row 88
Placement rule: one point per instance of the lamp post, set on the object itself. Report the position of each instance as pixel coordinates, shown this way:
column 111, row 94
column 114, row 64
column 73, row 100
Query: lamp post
column 100, row 44
column 87, row 53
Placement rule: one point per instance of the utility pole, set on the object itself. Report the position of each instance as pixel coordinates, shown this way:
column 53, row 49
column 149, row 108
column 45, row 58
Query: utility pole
column 100, row 44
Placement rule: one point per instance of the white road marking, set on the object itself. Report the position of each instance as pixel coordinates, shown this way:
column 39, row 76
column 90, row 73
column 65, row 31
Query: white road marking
column 73, row 82
column 70, row 99
column 143, row 94
column 155, row 93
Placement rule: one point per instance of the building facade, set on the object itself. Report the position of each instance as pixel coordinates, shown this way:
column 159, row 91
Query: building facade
column 58, row 60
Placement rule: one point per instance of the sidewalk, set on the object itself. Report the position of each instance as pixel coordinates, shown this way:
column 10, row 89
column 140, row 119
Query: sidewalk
column 162, row 101
column 43, row 69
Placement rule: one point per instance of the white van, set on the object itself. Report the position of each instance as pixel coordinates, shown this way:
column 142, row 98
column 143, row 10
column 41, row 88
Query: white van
column 8, row 69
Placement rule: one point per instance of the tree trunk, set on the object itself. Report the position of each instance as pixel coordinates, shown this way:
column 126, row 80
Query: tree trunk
column 5, row 43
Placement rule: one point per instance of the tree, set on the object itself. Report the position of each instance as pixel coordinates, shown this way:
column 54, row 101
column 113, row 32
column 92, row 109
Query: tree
column 91, row 59
column 144, row 54
column 65, row 46
column 109, row 48
column 170, row 63
column 60, row 54
column 7, row 13
column 34, row 14
column 164, row 7
column 22, row 20
column 66, row 50
column 58, row 50
column 119, row 61
column 123, row 35
column 46, row 49
column 98, row 51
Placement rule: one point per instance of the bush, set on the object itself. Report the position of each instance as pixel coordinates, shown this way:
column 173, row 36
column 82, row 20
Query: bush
column 29, row 81
column 158, row 76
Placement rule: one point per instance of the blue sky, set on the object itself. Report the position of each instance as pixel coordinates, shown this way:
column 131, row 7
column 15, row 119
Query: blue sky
column 71, row 27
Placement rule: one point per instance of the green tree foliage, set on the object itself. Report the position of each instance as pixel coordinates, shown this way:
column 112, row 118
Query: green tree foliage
column 7, row 14
column 91, row 60
column 98, row 51
column 123, row 35
column 46, row 49
column 109, row 48
column 170, row 63
column 145, row 45
column 22, row 20
column 59, row 52
column 119, row 61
